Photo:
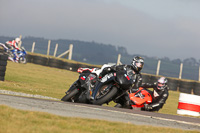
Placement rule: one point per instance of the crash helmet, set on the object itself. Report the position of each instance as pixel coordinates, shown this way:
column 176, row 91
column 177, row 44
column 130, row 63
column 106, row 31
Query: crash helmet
column 161, row 84
column 137, row 63
column 17, row 40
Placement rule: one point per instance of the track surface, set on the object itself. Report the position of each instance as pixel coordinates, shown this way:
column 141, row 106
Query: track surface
column 101, row 112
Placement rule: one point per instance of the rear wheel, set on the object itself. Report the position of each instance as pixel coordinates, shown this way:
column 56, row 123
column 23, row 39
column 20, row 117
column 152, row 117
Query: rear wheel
column 105, row 95
column 22, row 60
column 70, row 95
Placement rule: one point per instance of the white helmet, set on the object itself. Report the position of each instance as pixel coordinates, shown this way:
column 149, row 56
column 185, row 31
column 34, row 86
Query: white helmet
column 18, row 40
column 161, row 83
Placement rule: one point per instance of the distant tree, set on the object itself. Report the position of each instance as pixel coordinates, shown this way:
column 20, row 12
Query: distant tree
column 190, row 61
column 176, row 61
column 165, row 59
column 122, row 50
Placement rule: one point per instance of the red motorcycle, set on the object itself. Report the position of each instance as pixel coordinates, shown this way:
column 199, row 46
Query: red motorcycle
column 141, row 97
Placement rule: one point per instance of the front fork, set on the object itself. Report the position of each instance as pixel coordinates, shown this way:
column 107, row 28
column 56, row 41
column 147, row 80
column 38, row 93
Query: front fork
column 95, row 90
column 90, row 89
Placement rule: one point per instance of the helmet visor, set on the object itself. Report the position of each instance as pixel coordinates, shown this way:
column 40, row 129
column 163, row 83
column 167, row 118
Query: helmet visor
column 160, row 86
column 139, row 64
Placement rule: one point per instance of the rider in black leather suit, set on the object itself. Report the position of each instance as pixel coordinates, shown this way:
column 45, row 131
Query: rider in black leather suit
column 159, row 94
column 136, row 66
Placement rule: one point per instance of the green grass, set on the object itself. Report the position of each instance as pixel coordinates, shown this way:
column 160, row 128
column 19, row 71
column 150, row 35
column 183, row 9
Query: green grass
column 53, row 82
column 36, row 79
column 13, row 120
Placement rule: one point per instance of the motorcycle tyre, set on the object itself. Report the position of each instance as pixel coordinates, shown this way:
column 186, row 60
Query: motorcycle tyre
column 3, row 68
column 2, row 73
column 23, row 62
column 1, row 78
column 83, row 98
column 68, row 96
column 3, row 57
column 3, row 63
column 107, row 97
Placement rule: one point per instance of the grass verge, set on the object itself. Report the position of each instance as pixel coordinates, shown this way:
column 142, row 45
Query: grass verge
column 13, row 120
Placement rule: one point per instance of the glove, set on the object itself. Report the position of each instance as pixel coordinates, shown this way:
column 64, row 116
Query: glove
column 104, row 72
column 147, row 107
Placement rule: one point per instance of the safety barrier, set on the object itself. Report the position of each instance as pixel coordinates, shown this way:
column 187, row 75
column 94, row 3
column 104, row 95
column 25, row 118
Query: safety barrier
column 196, row 90
column 3, row 64
column 186, row 86
column 56, row 62
column 189, row 105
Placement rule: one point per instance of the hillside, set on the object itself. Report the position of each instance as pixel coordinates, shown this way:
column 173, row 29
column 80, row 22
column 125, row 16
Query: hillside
column 98, row 53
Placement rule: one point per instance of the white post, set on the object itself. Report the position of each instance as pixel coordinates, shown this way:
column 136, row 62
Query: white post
column 181, row 69
column 70, row 51
column 48, row 47
column 55, row 51
column 118, row 59
column 158, row 67
column 33, row 47
column 20, row 43
column 199, row 73
column 65, row 53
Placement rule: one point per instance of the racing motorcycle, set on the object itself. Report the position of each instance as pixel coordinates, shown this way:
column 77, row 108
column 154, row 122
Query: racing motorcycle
column 21, row 53
column 80, row 91
column 140, row 97
column 113, row 86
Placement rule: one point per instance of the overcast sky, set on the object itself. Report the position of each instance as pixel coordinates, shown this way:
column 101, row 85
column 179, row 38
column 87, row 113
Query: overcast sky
column 161, row 28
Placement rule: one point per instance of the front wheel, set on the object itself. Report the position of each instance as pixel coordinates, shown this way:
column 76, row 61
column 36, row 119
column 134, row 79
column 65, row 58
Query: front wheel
column 68, row 97
column 105, row 95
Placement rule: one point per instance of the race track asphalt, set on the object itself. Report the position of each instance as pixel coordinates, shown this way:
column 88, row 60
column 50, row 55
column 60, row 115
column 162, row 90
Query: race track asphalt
column 101, row 112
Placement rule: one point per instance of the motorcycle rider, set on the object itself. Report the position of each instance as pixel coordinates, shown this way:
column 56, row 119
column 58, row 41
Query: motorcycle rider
column 159, row 94
column 136, row 66
column 13, row 46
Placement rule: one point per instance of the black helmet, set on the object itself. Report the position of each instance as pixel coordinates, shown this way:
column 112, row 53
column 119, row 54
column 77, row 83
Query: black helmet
column 137, row 63
column 161, row 83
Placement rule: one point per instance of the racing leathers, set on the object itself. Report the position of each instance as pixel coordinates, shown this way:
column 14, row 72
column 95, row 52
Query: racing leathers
column 124, row 101
column 159, row 97
column 12, row 44
column 13, row 47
